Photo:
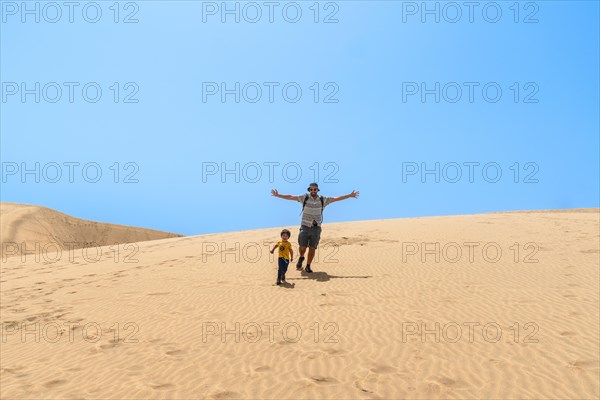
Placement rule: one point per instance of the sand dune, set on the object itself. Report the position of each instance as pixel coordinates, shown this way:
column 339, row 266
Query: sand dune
column 501, row 305
column 25, row 226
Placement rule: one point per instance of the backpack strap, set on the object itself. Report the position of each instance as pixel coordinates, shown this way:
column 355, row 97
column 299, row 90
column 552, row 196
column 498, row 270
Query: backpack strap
column 322, row 207
column 304, row 203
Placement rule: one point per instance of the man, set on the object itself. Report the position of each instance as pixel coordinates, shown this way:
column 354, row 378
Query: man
column 312, row 216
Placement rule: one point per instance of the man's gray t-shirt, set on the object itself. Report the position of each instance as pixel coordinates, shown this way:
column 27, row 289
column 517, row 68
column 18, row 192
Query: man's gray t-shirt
column 312, row 210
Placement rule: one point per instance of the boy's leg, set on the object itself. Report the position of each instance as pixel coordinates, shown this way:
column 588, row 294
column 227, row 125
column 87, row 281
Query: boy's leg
column 280, row 267
column 285, row 267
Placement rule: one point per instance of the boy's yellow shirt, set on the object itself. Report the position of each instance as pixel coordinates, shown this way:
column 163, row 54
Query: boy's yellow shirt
column 284, row 249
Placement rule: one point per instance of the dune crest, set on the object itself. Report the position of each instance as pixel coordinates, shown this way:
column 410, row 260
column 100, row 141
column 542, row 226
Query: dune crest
column 22, row 226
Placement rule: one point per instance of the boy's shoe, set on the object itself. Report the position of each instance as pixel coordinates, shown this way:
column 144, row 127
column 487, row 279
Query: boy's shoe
column 278, row 283
column 308, row 269
column 299, row 264
column 283, row 279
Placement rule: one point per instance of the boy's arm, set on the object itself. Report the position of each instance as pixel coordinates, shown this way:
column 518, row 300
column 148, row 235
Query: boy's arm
column 291, row 254
column 354, row 194
column 273, row 249
column 275, row 193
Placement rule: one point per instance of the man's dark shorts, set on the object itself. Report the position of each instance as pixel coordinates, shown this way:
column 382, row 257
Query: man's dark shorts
column 309, row 236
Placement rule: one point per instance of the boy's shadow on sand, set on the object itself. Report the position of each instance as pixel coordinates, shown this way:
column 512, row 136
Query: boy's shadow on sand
column 322, row 276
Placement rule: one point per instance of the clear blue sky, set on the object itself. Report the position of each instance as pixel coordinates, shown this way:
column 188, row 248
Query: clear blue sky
column 369, row 130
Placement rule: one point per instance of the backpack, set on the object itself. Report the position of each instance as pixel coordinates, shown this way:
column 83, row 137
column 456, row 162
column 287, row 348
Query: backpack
column 306, row 196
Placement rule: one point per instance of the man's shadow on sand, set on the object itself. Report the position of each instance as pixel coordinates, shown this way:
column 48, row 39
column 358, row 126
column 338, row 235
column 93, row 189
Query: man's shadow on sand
column 322, row 276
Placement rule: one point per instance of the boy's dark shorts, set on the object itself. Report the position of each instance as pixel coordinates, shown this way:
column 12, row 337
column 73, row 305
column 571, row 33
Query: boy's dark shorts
column 309, row 236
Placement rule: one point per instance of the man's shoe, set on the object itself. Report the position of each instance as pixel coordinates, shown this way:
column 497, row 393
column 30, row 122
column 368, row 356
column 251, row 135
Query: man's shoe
column 308, row 269
column 299, row 264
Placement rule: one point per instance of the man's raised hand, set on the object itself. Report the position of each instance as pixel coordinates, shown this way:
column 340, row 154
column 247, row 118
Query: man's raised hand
column 274, row 192
column 354, row 194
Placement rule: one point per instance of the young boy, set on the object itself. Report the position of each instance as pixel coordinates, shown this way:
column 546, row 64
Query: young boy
column 286, row 254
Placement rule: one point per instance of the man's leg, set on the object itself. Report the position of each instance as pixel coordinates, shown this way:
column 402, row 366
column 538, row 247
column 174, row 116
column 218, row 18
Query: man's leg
column 301, row 258
column 315, row 237
column 302, row 251
column 311, row 255
column 303, row 244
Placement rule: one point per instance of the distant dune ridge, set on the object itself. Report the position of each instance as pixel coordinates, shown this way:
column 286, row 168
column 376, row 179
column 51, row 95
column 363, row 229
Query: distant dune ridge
column 29, row 224
column 499, row 305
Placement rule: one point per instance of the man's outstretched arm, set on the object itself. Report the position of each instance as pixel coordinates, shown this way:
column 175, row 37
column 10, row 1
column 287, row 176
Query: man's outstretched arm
column 275, row 193
column 354, row 194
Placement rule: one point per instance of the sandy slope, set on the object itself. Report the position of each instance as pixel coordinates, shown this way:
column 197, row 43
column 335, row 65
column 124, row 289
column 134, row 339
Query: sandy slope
column 23, row 226
column 369, row 300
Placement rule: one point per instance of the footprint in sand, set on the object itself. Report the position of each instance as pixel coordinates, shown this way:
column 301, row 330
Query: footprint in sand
column 54, row 383
column 226, row 395
column 312, row 355
column 433, row 388
column 383, row 369
column 567, row 333
column 285, row 342
column 445, row 381
column 362, row 389
column 12, row 370
column 324, row 380
column 335, row 352
column 583, row 364
column 162, row 386
column 111, row 344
